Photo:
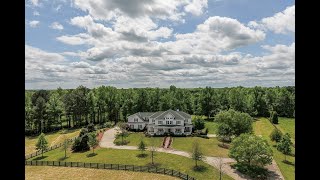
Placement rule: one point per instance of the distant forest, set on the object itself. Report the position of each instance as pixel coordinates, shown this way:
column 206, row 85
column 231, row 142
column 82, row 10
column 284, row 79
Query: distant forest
column 47, row 110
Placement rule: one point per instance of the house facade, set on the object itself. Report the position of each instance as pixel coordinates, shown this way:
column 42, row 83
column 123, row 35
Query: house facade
column 176, row 122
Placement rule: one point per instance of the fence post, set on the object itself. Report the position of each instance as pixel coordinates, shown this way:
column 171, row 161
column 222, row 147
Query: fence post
column 125, row 167
column 59, row 163
column 187, row 176
column 78, row 164
column 104, row 166
column 36, row 163
column 164, row 170
column 171, row 172
column 111, row 166
column 148, row 168
column 179, row 173
column 133, row 168
column 118, row 166
column 52, row 163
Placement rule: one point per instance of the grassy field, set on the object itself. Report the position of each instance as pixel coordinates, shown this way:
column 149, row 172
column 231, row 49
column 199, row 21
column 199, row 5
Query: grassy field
column 115, row 156
column 53, row 138
column 135, row 139
column 263, row 127
column 49, row 172
column 209, row 147
column 287, row 125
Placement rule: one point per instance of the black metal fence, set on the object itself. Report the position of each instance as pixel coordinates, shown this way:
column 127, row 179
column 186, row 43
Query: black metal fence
column 149, row 169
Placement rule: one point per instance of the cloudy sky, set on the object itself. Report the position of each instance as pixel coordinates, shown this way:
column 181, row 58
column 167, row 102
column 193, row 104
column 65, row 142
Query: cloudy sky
column 156, row 43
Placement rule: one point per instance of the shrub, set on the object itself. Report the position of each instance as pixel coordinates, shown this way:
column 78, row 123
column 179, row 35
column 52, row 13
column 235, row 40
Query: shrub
column 81, row 143
column 274, row 117
column 206, row 131
column 276, row 135
column 91, row 127
column 107, row 124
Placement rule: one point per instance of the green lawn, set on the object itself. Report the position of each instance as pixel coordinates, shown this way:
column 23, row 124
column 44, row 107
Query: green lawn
column 287, row 125
column 116, row 156
column 53, row 138
column 212, row 127
column 209, row 147
column 264, row 127
column 135, row 139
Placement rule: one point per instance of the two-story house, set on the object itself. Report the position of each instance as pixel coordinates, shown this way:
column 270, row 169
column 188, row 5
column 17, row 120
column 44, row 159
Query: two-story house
column 177, row 122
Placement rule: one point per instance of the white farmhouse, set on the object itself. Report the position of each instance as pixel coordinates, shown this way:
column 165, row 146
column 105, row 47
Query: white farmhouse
column 176, row 122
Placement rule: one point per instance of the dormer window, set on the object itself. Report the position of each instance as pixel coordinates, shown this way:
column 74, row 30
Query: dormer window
column 135, row 119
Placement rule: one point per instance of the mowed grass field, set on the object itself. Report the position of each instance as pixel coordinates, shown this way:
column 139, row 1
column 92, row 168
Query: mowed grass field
column 136, row 137
column 263, row 127
column 66, row 173
column 130, row 157
column 212, row 127
column 287, row 125
column 209, row 147
column 53, row 139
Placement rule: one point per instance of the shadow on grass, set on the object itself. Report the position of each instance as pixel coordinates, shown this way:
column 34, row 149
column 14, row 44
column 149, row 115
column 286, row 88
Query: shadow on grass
column 142, row 155
column 153, row 165
column 91, row 154
column 120, row 143
column 289, row 163
column 225, row 146
column 199, row 168
column 63, row 158
column 39, row 158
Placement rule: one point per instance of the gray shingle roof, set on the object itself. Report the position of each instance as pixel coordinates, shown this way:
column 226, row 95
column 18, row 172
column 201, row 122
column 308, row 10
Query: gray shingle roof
column 156, row 114
column 161, row 114
column 177, row 114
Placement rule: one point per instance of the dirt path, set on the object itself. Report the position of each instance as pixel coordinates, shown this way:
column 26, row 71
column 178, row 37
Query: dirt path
column 109, row 137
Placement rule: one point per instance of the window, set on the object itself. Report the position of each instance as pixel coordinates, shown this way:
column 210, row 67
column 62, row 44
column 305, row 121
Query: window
column 131, row 126
column 159, row 122
column 135, row 119
column 153, row 120
column 140, row 126
column 160, row 130
column 178, row 122
column 178, row 130
column 170, row 122
column 187, row 129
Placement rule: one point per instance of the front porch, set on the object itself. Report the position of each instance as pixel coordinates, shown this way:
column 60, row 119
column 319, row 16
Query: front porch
column 177, row 130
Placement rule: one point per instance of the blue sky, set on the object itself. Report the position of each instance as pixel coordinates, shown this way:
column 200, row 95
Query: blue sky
column 188, row 43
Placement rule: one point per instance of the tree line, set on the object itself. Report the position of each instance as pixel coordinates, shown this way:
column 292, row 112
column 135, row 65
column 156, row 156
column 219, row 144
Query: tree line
column 49, row 109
